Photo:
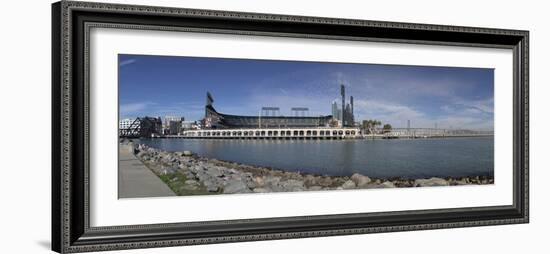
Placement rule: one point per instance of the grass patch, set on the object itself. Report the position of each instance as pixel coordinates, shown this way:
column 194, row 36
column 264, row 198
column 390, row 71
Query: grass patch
column 176, row 182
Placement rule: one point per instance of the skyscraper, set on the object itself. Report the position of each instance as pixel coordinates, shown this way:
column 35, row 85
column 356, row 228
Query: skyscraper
column 335, row 111
column 346, row 114
column 343, row 93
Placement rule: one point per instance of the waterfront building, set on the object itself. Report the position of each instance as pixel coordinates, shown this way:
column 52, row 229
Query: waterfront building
column 188, row 125
column 168, row 119
column 150, row 126
column 140, row 127
column 172, row 125
column 125, row 123
column 275, row 133
column 174, row 128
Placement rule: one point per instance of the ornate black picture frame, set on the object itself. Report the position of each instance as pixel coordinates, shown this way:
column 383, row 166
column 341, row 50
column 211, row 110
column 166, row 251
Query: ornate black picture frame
column 71, row 231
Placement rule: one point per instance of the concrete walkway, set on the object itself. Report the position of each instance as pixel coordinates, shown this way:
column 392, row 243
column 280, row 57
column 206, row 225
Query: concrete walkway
column 136, row 180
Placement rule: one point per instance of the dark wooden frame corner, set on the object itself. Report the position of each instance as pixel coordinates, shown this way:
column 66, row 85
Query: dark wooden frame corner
column 71, row 22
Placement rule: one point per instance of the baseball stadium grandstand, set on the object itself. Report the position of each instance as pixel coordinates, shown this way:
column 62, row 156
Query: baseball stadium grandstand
column 216, row 120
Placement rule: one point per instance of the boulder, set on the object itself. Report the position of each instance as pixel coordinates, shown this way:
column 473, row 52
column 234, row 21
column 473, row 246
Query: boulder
column 235, row 186
column 292, row 185
column 349, row 184
column 167, row 171
column 191, row 182
column 262, row 190
column 141, row 154
column 315, row 188
column 189, row 187
column 360, row 180
column 387, row 184
column 213, row 171
column 195, row 169
column 259, row 181
column 310, row 180
column 272, row 181
column 189, row 175
column 434, row 181
column 250, row 183
column 458, row 182
column 187, row 153
column 374, row 185
column 325, row 181
column 212, row 188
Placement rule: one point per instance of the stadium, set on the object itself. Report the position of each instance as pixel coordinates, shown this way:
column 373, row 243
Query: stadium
column 215, row 120
column 270, row 118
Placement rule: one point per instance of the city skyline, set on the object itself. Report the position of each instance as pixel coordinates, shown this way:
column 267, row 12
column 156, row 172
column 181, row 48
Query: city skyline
column 427, row 96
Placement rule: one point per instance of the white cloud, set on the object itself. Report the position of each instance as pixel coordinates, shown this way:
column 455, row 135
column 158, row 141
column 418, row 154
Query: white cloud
column 398, row 114
column 131, row 108
column 461, row 122
column 388, row 112
column 127, row 62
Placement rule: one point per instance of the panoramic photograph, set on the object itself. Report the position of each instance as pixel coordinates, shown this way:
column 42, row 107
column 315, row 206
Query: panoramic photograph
column 207, row 126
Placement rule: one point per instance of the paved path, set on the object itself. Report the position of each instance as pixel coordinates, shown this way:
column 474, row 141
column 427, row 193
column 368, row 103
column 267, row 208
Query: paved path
column 136, row 180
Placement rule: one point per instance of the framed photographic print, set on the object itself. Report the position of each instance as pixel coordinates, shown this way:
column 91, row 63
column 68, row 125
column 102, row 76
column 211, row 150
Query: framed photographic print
column 181, row 126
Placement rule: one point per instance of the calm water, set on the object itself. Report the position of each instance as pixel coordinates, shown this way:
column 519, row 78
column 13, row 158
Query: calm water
column 376, row 158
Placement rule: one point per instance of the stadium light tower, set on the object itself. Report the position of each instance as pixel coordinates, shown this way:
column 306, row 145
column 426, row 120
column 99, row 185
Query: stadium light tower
column 343, row 93
column 259, row 119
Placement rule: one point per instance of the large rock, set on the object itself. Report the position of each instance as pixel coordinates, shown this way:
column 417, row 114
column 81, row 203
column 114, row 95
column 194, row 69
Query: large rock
column 213, row 182
column 262, row 190
column 310, row 180
column 360, row 180
column 203, row 176
column 260, row 182
column 190, row 187
column 458, row 182
column 325, row 181
column 292, row 185
column 387, row 184
column 235, row 186
column 212, row 188
column 315, row 188
column 434, row 181
column 272, row 181
column 142, row 154
column 250, row 183
column 349, row 184
column 189, row 175
column 375, row 185
column 213, row 171
column 191, row 182
column 187, row 153
column 195, row 169
column 168, row 171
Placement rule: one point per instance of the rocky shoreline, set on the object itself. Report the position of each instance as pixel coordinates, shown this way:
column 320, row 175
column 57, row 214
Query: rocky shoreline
column 189, row 174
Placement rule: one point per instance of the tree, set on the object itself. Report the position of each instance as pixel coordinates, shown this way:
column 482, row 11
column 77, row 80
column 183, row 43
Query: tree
column 387, row 128
column 370, row 126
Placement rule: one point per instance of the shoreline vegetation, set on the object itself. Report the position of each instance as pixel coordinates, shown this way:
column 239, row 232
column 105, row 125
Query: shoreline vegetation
column 187, row 173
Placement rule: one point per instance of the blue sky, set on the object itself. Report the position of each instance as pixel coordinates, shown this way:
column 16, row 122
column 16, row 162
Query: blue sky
column 448, row 97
